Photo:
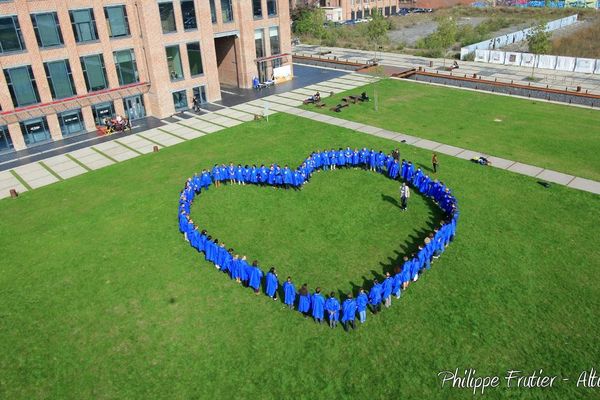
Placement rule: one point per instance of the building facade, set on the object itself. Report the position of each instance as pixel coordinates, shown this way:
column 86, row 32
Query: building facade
column 354, row 9
column 67, row 65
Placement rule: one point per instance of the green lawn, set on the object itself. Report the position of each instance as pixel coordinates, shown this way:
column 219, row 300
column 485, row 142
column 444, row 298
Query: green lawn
column 102, row 298
column 557, row 137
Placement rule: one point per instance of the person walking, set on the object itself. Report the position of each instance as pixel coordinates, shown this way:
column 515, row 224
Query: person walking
column 404, row 195
column 434, row 162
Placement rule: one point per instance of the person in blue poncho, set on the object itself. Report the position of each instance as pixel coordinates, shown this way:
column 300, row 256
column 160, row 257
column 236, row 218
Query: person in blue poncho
column 332, row 306
column 255, row 275
column 263, row 174
column 341, row 156
column 234, row 269
column 226, row 263
column 349, row 312
column 318, row 305
column 325, row 159
column 375, row 297
column 397, row 283
column 244, row 269
column 405, row 274
column 304, row 300
column 231, row 173
column 386, row 290
column 361, row 305
column 288, row 177
column 271, row 284
column 216, row 175
column 239, row 175
column 205, row 180
column 254, row 174
column 289, row 293
column 393, row 171
column 333, row 158
column 355, row 158
column 221, row 256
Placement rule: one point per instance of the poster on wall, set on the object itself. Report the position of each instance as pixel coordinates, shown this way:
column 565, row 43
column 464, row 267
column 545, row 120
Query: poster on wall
column 283, row 73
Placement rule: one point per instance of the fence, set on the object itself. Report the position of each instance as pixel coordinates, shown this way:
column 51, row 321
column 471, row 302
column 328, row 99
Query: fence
column 501, row 41
column 558, row 63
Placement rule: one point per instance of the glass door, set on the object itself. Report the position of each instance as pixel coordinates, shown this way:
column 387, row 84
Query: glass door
column 134, row 107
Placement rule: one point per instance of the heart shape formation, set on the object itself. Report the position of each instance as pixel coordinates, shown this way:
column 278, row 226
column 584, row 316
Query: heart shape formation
column 252, row 276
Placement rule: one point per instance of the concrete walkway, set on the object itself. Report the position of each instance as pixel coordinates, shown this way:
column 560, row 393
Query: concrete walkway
column 78, row 162
column 503, row 73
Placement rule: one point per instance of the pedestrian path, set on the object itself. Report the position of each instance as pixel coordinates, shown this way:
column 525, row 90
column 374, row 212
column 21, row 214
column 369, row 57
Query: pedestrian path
column 571, row 181
column 38, row 174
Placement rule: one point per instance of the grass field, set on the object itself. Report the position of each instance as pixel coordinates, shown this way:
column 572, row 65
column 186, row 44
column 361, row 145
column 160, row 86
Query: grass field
column 561, row 138
column 101, row 297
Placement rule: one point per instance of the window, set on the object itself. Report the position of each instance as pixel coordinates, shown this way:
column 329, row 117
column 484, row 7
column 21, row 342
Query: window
column 84, row 25
column 22, row 86
column 226, row 10
column 71, row 122
column 272, row 8
column 167, row 17
column 6, row 143
column 200, row 94
column 180, row 100
column 60, row 79
column 47, row 29
column 10, row 35
column 257, row 9
column 188, row 11
column 94, row 72
column 35, row 131
column 126, row 67
column 103, row 110
column 116, row 18
column 174, row 63
column 213, row 12
column 195, row 58
column 259, row 43
column 274, row 40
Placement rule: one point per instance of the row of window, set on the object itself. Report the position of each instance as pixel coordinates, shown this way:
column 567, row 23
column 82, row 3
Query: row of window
column 167, row 16
column 257, row 10
column 259, row 41
column 24, row 90
column 49, row 34
column 71, row 122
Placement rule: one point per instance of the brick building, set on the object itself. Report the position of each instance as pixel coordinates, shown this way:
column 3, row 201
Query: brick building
column 355, row 9
column 66, row 65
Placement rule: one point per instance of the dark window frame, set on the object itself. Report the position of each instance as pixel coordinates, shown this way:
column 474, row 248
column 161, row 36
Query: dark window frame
column 18, row 34
column 40, row 39
column 91, row 23
column 125, row 18
column 10, row 84
column 187, row 26
column 51, row 80
column 84, row 68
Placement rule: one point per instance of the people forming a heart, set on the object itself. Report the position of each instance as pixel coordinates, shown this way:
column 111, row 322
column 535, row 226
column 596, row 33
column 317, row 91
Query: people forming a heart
column 315, row 304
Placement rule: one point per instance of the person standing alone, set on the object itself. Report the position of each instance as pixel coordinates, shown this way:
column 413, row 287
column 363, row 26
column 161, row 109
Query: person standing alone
column 404, row 195
column 434, row 162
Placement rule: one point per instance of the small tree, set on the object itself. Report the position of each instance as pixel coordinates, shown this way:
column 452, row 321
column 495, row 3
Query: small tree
column 377, row 28
column 538, row 40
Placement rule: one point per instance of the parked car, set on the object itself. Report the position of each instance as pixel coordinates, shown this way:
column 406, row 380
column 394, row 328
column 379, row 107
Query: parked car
column 404, row 11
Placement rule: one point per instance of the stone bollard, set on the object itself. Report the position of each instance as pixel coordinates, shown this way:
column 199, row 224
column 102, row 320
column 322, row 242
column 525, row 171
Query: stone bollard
column 579, row 88
column 155, row 149
column 474, row 76
column 13, row 193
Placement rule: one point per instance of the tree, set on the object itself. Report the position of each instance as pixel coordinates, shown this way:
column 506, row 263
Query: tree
column 377, row 28
column 538, row 40
column 308, row 20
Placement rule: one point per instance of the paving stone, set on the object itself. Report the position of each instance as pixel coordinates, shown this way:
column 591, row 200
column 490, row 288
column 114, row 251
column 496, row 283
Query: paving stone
column 64, row 167
column 7, row 182
column 585, row 184
column 525, row 169
column 402, row 138
column 501, row 163
column 35, row 175
column 449, row 150
column 468, row 154
column 42, row 181
column 554, row 176
column 368, row 129
column 138, row 143
column 91, row 158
